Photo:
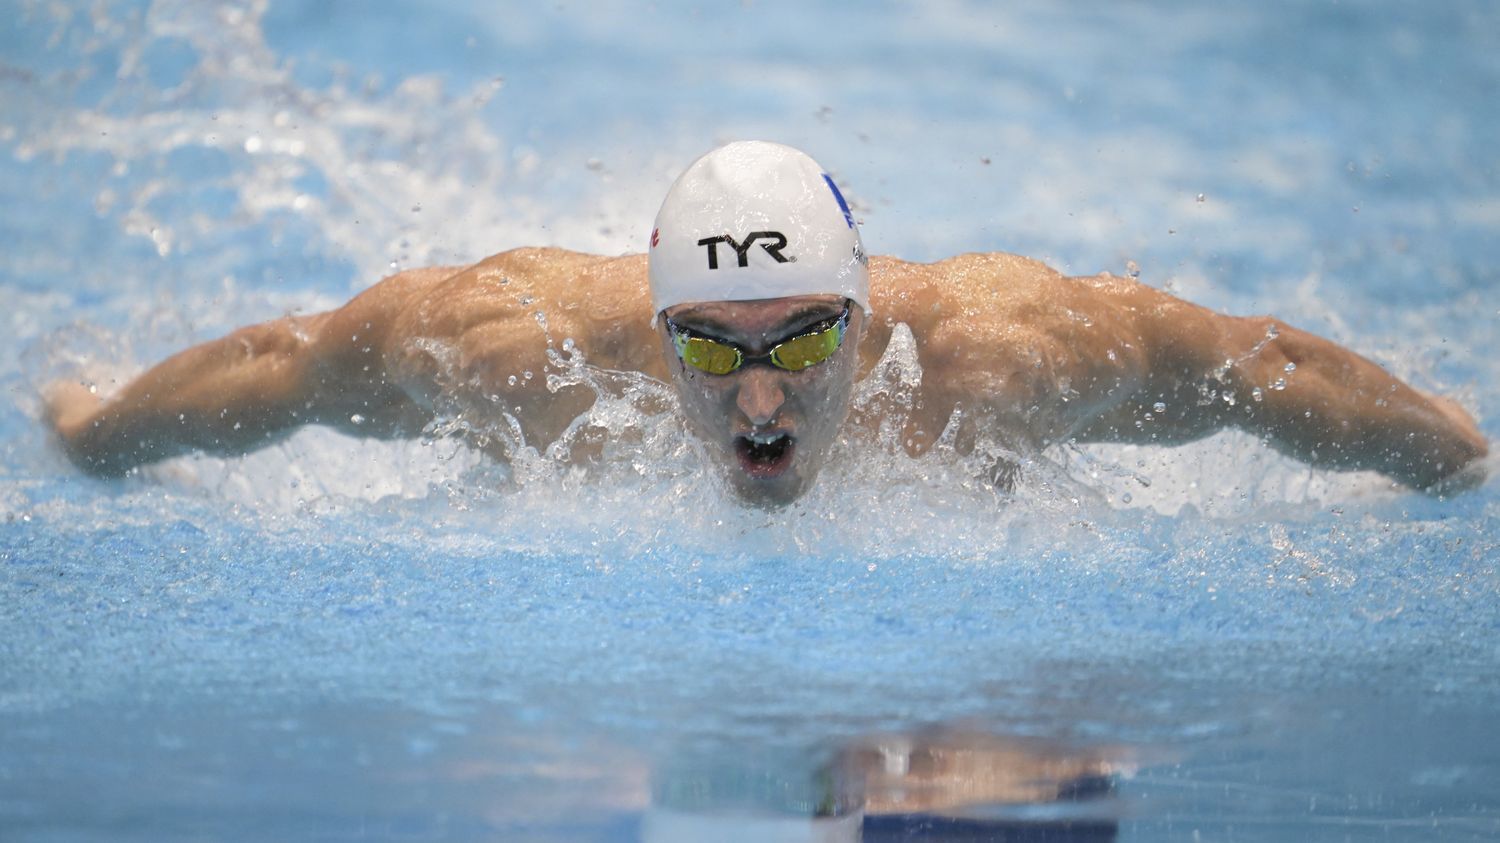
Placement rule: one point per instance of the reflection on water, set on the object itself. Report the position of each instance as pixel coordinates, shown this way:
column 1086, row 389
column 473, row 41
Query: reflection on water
column 946, row 784
column 176, row 769
column 972, row 774
column 235, row 767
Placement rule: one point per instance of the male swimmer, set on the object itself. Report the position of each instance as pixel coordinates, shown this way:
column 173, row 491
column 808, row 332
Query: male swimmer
column 758, row 303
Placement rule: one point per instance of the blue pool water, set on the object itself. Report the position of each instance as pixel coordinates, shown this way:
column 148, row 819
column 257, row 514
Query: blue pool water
column 335, row 639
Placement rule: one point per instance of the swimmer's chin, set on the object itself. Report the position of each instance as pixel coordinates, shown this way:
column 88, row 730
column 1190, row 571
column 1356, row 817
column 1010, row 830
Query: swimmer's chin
column 767, row 499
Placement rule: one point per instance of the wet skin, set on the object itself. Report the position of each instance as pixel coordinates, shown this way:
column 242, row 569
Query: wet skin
column 1031, row 357
column 771, row 429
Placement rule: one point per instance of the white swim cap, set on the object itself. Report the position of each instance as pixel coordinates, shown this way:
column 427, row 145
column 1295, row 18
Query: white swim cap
column 755, row 220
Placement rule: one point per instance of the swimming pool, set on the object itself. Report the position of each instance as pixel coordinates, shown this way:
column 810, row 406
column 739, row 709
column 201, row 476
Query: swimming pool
column 334, row 639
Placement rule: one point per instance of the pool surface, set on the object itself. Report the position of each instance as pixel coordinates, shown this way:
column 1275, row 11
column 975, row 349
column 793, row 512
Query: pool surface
column 334, row 639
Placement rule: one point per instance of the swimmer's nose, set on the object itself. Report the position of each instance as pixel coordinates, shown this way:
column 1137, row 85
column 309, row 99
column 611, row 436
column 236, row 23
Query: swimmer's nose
column 760, row 394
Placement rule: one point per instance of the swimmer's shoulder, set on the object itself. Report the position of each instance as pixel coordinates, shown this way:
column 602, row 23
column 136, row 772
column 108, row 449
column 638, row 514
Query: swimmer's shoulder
column 518, row 302
column 987, row 282
column 557, row 278
column 581, row 294
column 512, row 284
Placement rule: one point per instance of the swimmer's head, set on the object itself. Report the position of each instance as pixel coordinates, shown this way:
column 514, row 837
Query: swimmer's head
column 761, row 286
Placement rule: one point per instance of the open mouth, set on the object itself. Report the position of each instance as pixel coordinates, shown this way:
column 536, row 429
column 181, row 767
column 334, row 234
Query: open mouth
column 764, row 454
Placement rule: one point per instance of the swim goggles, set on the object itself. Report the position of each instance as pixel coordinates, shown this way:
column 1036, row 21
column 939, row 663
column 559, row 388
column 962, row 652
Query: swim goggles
column 718, row 357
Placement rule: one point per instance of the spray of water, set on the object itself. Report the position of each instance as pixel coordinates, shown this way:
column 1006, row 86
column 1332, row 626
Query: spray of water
column 234, row 189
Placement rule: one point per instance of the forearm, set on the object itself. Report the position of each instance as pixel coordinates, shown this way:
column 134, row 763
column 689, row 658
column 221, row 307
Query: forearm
column 226, row 396
column 1324, row 404
column 237, row 393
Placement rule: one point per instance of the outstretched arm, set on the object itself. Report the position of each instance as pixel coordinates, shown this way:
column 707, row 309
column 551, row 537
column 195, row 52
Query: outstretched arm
column 1308, row 397
column 245, row 390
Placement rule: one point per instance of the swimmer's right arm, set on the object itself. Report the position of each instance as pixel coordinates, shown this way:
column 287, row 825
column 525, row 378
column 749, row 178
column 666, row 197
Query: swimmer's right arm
column 246, row 390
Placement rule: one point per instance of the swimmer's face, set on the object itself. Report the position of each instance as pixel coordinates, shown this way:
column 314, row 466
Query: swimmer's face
column 769, row 427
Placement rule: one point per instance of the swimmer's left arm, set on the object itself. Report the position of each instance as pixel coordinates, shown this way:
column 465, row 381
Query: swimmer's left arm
column 1306, row 396
column 1326, row 405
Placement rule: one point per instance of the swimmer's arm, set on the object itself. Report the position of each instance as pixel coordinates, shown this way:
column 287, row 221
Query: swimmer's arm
column 1338, row 410
column 240, row 392
column 1306, row 396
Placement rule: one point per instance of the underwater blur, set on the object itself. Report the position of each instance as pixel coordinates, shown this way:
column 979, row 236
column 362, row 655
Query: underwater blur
column 335, row 638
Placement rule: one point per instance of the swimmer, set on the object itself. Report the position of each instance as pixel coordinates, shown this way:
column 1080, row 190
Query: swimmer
column 757, row 302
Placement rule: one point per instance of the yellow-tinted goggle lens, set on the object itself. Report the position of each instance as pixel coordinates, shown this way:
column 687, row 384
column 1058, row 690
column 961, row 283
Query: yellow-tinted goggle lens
column 720, row 358
column 712, row 357
column 798, row 353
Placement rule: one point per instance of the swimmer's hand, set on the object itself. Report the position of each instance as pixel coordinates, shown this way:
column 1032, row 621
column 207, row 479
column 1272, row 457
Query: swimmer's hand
column 1472, row 473
column 70, row 407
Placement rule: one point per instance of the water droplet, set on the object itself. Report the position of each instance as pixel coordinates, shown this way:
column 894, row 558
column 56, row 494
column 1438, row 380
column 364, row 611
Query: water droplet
column 1202, row 199
column 1272, row 332
column 357, row 419
column 1257, row 394
column 1290, row 367
column 1132, row 269
column 1110, row 354
column 1126, row 497
column 1228, row 398
column 1160, row 406
column 1279, row 384
column 511, row 380
column 568, row 344
column 871, row 567
column 594, row 164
